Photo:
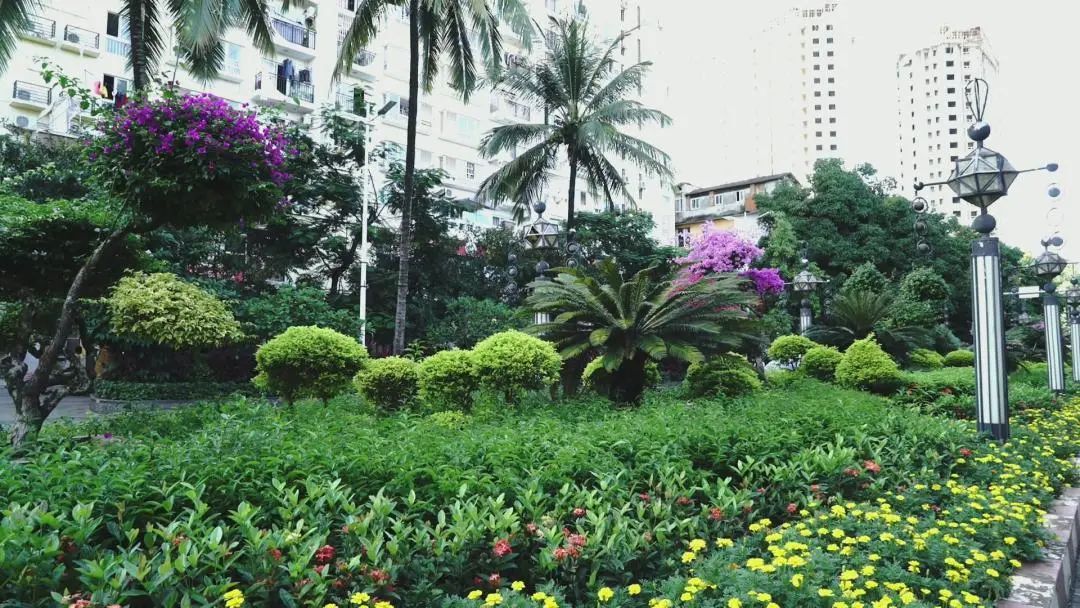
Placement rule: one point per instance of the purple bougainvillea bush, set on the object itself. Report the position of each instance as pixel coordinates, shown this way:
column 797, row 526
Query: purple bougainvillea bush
column 717, row 251
column 191, row 158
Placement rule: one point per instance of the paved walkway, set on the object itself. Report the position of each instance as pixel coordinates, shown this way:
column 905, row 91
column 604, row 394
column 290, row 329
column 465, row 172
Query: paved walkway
column 70, row 407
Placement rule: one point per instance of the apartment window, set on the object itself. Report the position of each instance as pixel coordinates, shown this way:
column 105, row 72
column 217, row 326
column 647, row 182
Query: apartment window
column 817, row 133
column 112, row 25
column 832, row 106
column 699, row 202
column 952, row 117
column 832, row 147
column 679, row 204
column 967, row 64
column 817, row 40
column 832, row 93
column 951, row 90
column 816, row 67
column 584, row 199
column 815, row 28
column 831, row 80
column 950, row 77
column 817, row 54
column 817, row 81
column 817, row 93
column 114, row 85
column 828, row 27
column 828, row 53
column 828, row 40
column 950, row 63
column 820, row 147
column 953, row 158
column 817, row 120
column 832, row 133
column 953, row 145
column 817, row 107
column 552, row 5
column 425, row 158
column 948, row 50
column 470, row 171
column 832, row 120
column 952, row 104
column 831, row 66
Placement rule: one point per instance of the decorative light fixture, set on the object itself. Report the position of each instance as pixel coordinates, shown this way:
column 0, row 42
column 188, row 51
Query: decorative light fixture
column 1049, row 266
column 804, row 283
column 1072, row 298
column 542, row 233
column 980, row 178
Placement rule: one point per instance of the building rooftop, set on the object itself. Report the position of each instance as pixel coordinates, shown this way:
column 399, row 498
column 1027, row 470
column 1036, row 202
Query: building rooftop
column 743, row 183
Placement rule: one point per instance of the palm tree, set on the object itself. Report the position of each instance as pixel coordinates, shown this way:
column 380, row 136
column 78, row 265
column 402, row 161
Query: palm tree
column 853, row 315
column 585, row 98
column 445, row 30
column 628, row 322
column 199, row 27
column 14, row 17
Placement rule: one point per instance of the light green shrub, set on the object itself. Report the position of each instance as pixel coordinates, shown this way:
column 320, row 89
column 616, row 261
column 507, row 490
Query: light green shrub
column 960, row 358
column 729, row 374
column 447, row 380
column 789, row 350
column 449, row 419
column 820, row 362
column 597, row 379
column 866, row 366
column 923, row 358
column 512, row 362
column 308, row 362
column 389, row 383
column 161, row 309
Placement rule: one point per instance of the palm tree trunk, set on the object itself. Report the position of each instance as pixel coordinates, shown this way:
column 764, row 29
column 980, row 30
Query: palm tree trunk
column 35, row 398
column 136, row 23
column 573, row 190
column 405, row 244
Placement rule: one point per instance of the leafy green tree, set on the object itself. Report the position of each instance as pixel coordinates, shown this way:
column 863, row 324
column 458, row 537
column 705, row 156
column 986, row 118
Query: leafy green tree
column 41, row 170
column 625, row 237
column 855, row 315
column 269, row 314
column 446, row 30
column 867, row 278
column 468, row 320
column 628, row 322
column 160, row 308
column 586, row 100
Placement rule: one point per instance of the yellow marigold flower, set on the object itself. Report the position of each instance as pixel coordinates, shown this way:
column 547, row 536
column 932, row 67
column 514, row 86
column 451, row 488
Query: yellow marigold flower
column 539, row 596
column 517, row 585
column 234, row 598
column 549, row 602
column 688, row 557
column 687, row 597
column 1015, row 563
column 697, row 545
column 848, row 575
column 605, row 594
column 359, row 598
column 867, row 571
column 493, row 599
column 1009, row 540
column 871, row 584
column 825, row 592
column 796, row 580
column 992, row 572
column 945, row 594
column 724, row 542
column 762, row 597
column 734, row 603
column 383, row 604
column 772, row 605
column 840, row 605
column 331, row 605
column 634, row 589
column 475, row 594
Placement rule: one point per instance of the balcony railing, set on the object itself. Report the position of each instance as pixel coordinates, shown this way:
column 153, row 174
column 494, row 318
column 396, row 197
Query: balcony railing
column 294, row 33
column 290, row 87
column 350, row 102
column 231, row 68
column 40, row 27
column 82, row 37
column 31, row 93
column 364, row 58
column 117, row 46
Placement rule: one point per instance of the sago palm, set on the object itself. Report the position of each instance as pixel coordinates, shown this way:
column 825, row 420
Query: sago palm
column 627, row 322
column 445, row 30
column 586, row 100
column 855, row 315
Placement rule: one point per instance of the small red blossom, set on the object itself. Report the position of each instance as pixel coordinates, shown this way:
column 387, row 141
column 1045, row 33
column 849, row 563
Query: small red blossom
column 560, row 554
column 792, row 508
column 872, row 466
column 684, row 501
column 81, row 604
column 494, row 580
column 339, row 583
column 815, row 488
column 532, row 529
column 852, row 472
column 579, row 512
column 577, row 540
column 276, row 554
column 965, row 452
column 379, row 577
column 502, row 548
column 716, row 514
column 574, row 552
column 325, row 554
column 644, row 497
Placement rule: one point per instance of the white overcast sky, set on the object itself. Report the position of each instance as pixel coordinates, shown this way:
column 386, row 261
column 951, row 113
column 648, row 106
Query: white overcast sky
column 1034, row 107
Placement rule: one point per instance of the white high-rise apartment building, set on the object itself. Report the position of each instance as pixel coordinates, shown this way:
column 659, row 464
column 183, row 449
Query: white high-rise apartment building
column 89, row 41
column 933, row 116
column 801, row 68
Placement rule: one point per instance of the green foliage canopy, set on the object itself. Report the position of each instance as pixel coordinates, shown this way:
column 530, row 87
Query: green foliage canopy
column 161, row 309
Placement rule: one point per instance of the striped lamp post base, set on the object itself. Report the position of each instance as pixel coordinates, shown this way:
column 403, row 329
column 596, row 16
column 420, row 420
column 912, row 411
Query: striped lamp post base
column 1074, row 336
column 991, row 378
column 805, row 317
column 1055, row 360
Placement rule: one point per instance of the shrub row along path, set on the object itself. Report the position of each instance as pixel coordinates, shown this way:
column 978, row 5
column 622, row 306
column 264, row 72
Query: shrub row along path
column 73, row 407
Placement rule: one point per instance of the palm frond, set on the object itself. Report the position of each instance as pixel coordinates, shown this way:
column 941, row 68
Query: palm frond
column 147, row 38
column 362, row 30
column 14, row 18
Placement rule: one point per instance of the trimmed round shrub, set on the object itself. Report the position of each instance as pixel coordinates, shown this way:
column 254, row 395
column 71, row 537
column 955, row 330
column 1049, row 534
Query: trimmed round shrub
column 597, row 379
column 923, row 358
column 447, row 380
column 960, row 358
column 449, row 419
column 730, row 375
column 308, row 362
column 389, row 383
column 866, row 366
column 512, row 362
column 789, row 350
column 820, row 362
column 160, row 308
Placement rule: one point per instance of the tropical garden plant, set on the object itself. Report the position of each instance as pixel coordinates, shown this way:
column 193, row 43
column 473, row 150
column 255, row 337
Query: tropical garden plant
column 854, row 315
column 308, row 362
column 441, row 35
column 627, row 322
column 587, row 101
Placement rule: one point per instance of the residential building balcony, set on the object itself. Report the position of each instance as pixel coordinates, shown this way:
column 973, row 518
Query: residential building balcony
column 286, row 86
column 506, row 111
column 30, row 96
column 352, row 100
column 80, row 40
column 364, row 65
column 39, row 29
column 711, row 211
column 293, row 38
column 121, row 47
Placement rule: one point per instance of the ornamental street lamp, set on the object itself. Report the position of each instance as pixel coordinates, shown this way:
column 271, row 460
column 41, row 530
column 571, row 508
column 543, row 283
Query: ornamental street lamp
column 980, row 178
column 804, row 284
column 1049, row 265
column 541, row 235
column 1072, row 298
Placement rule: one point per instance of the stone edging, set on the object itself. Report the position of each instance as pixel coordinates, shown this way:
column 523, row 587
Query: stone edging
column 1048, row 582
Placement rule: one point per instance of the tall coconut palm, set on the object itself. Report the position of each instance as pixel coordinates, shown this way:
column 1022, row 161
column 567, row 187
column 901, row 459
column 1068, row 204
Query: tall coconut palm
column 445, row 29
column 199, row 27
column 586, row 100
column 627, row 322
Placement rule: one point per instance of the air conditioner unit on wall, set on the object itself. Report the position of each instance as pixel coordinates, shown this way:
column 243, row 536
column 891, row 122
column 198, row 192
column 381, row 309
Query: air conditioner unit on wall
column 72, row 37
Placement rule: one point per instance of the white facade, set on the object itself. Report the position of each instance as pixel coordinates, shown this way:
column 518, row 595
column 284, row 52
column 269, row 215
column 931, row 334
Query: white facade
column 802, row 69
column 88, row 41
column 932, row 113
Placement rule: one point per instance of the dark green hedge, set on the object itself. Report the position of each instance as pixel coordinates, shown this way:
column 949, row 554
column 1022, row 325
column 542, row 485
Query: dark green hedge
column 146, row 391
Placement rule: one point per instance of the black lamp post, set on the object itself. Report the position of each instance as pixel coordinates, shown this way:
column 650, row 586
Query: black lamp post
column 1072, row 299
column 980, row 178
column 542, row 235
column 1049, row 265
column 804, row 284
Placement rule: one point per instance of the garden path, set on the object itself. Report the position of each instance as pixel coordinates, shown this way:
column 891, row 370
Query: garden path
column 69, row 407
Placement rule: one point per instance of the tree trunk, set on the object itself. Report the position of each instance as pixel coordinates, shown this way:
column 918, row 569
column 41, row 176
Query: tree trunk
column 337, row 273
column 405, row 246
column 570, row 375
column 573, row 190
column 136, row 29
column 36, row 399
column 628, row 382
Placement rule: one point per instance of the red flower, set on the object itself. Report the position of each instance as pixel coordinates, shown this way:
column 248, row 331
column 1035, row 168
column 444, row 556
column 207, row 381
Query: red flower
column 276, row 554
column 579, row 512
column 644, row 496
column 684, row 501
column 872, row 466
column 560, row 554
column 532, row 529
column 574, row 552
column 81, row 604
column 965, row 452
column 379, row 577
column 792, row 508
column 815, row 488
column 324, row 555
column 322, row 569
column 502, row 548
column 576, row 540
column 852, row 472
column 761, row 490
column 494, row 580
column 716, row 514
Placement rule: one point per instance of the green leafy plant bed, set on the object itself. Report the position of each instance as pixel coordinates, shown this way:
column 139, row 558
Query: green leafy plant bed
column 313, row 504
column 118, row 390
